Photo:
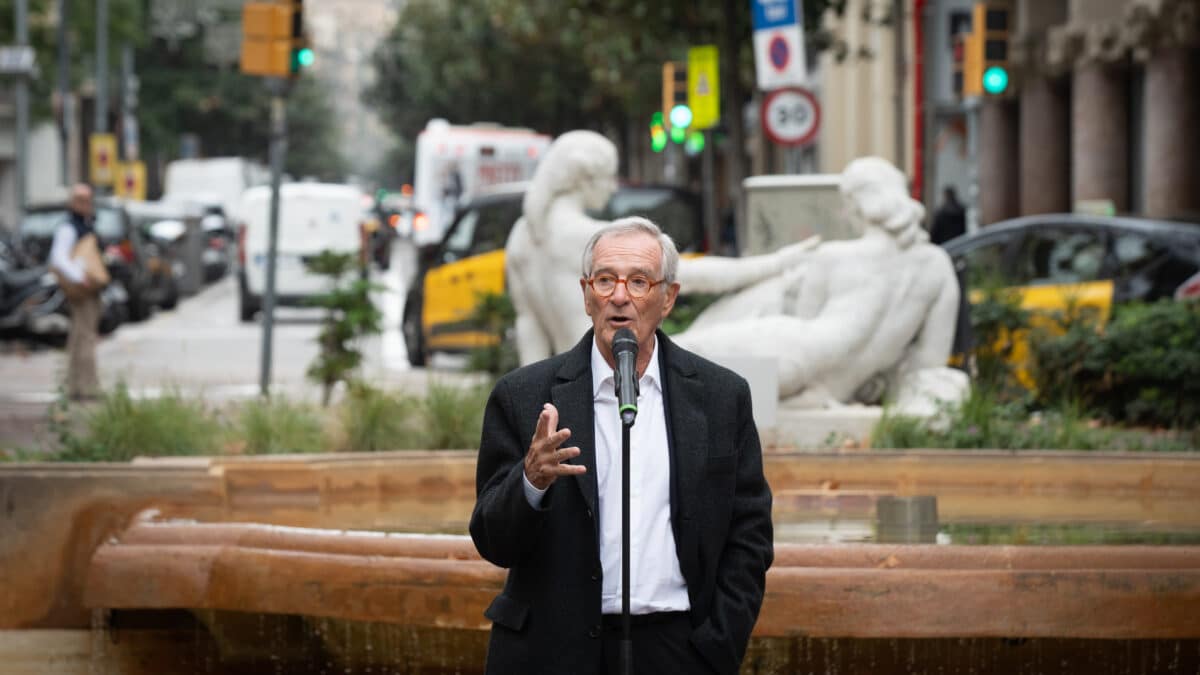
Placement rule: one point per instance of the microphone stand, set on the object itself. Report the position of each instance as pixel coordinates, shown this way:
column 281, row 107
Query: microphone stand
column 626, row 641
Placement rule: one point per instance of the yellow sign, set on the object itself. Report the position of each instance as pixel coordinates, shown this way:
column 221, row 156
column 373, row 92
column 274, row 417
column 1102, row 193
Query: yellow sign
column 267, row 38
column 102, row 156
column 131, row 181
column 704, row 86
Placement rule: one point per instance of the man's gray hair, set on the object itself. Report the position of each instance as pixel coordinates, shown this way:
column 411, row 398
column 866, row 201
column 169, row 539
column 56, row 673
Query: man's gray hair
column 634, row 225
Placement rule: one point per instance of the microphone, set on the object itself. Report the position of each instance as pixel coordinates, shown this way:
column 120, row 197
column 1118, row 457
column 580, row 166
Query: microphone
column 625, row 349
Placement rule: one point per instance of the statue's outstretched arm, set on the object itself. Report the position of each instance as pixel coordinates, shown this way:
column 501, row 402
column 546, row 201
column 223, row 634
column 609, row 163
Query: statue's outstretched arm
column 718, row 274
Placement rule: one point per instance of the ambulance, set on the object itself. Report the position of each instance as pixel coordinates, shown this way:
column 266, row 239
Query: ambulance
column 456, row 162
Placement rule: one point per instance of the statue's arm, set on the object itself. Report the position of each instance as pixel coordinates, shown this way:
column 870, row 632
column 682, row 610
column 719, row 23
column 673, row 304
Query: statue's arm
column 717, row 274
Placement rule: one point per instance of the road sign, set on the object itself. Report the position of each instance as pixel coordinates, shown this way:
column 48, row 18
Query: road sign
column 102, row 151
column 704, row 86
column 19, row 60
column 791, row 116
column 131, row 181
column 778, row 43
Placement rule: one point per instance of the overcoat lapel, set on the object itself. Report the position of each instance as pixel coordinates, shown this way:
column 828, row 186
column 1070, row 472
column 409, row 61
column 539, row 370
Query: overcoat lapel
column 572, row 396
column 688, row 428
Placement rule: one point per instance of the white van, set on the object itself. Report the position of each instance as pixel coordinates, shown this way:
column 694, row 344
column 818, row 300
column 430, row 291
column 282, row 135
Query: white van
column 455, row 162
column 313, row 217
column 212, row 181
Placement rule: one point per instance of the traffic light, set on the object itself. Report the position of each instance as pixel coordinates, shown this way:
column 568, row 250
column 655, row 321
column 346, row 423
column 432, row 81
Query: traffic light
column 675, row 100
column 959, row 48
column 302, row 55
column 273, row 40
column 658, row 135
column 986, row 68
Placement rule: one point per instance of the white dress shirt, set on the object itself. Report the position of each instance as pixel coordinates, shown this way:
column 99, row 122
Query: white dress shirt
column 657, row 581
column 60, row 254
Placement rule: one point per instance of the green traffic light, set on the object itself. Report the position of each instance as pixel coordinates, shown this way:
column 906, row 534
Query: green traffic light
column 658, row 140
column 995, row 80
column 678, row 134
column 305, row 57
column 681, row 117
column 695, row 143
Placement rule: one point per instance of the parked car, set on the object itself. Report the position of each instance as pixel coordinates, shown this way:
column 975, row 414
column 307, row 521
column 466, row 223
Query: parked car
column 1058, row 260
column 313, row 217
column 121, row 244
column 469, row 261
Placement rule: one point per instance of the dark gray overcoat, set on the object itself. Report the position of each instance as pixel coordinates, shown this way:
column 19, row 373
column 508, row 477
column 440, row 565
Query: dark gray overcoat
column 547, row 619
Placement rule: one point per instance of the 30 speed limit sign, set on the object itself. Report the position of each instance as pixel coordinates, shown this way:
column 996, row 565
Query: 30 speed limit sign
column 791, row 116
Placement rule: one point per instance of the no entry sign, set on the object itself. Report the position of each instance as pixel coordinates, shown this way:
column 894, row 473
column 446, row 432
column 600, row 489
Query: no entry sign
column 791, row 116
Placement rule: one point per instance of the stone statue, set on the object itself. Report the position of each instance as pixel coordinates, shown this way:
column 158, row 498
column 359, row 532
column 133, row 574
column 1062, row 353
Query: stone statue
column 545, row 247
column 855, row 320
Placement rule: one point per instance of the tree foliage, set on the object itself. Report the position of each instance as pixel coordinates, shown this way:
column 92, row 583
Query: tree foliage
column 180, row 91
column 552, row 65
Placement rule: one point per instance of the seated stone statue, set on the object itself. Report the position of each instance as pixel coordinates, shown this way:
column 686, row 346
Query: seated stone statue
column 856, row 320
column 545, row 248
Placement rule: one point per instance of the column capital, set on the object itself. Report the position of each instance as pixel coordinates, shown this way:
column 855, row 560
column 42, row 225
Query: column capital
column 1145, row 26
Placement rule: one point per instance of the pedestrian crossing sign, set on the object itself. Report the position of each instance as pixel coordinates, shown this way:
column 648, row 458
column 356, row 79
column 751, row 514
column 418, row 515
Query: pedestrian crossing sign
column 704, row 90
column 102, row 155
column 131, row 181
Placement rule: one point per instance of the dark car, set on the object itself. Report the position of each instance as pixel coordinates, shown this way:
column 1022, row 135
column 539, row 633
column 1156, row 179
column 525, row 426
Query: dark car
column 1127, row 258
column 122, row 245
column 470, row 259
column 1058, row 260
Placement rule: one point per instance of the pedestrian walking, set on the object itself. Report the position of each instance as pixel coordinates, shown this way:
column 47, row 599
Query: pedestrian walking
column 75, row 261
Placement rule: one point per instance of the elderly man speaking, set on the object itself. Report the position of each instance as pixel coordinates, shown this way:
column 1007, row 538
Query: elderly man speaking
column 548, row 486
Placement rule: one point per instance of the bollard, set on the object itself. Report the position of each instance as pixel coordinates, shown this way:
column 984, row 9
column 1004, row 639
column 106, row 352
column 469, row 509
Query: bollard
column 906, row 520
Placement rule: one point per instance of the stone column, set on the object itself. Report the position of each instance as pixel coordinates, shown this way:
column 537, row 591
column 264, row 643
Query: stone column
column 1045, row 154
column 1100, row 143
column 997, row 161
column 1172, row 139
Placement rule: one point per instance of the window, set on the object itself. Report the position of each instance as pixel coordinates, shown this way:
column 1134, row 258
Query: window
column 494, row 222
column 985, row 264
column 1148, row 269
column 459, row 240
column 677, row 213
column 1051, row 255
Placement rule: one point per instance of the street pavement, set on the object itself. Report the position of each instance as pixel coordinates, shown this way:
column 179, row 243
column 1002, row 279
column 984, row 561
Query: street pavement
column 202, row 349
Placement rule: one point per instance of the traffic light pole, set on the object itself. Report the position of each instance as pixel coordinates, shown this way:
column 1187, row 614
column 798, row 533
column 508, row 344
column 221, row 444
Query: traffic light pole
column 279, row 90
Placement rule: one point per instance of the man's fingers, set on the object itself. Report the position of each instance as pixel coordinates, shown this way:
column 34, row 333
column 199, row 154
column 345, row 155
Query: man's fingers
column 547, row 422
column 563, row 454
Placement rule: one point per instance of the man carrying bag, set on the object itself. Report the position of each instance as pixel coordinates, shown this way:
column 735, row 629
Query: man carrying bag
column 76, row 262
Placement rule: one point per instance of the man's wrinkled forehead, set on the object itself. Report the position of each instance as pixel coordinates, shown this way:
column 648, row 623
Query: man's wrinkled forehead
column 631, row 246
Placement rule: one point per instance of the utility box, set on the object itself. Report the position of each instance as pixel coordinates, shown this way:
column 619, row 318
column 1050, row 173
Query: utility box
column 785, row 209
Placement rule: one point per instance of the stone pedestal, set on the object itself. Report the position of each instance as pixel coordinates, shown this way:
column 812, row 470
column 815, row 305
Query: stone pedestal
column 1100, row 142
column 1045, row 155
column 1172, row 139
column 997, row 161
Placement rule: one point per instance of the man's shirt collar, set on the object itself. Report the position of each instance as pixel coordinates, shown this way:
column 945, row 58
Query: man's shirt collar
column 602, row 372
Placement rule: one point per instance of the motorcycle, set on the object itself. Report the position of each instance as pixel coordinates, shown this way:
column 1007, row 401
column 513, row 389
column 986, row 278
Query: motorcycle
column 29, row 296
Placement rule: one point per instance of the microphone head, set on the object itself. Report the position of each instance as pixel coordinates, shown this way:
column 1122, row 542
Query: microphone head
column 624, row 341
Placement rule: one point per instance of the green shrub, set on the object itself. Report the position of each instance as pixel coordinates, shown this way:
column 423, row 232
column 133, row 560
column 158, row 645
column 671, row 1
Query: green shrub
column 279, row 426
column 1144, row 368
column 376, row 420
column 985, row 421
column 120, row 428
column 494, row 315
column 452, row 417
column 998, row 324
column 349, row 315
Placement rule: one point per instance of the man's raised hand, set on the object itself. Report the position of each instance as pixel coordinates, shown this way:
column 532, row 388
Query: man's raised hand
column 545, row 461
